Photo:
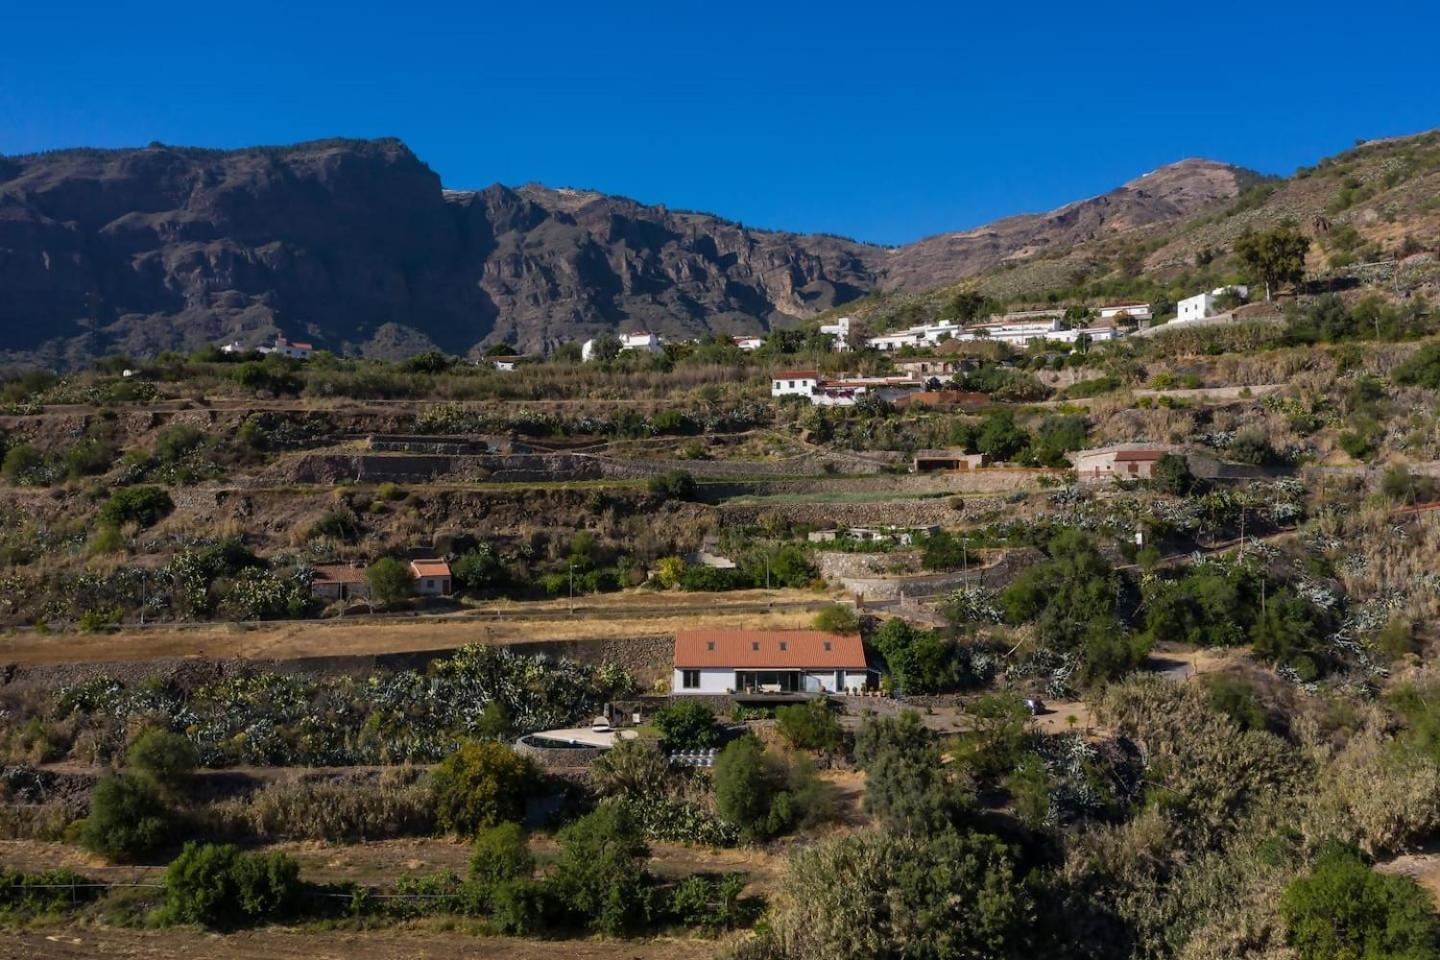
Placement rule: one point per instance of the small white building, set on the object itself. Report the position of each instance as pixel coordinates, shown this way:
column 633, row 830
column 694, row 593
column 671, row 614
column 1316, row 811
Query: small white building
column 840, row 330
column 1202, row 305
column 648, row 342
column 748, row 343
column 1118, row 311
column 794, row 383
column 286, row 348
column 721, row 662
column 432, row 577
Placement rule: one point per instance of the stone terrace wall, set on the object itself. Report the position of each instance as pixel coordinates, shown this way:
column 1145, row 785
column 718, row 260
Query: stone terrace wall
column 901, row 513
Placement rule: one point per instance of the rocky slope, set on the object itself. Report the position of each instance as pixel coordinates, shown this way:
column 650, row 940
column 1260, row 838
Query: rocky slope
column 355, row 245
column 1163, row 195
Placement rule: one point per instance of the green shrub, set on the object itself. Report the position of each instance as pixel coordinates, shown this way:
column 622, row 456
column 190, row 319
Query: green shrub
column 1344, row 909
column 837, row 618
column 389, row 579
column 673, row 485
column 336, row 524
column 762, row 794
column 127, row 821
column 881, row 894
column 500, row 854
column 25, row 465
column 600, row 877
column 1232, row 696
column 142, row 506
column 687, row 725
column 482, row 784
column 908, row 788
column 26, row 896
column 809, row 726
column 167, row 758
column 523, row 907
column 218, row 886
column 710, row 903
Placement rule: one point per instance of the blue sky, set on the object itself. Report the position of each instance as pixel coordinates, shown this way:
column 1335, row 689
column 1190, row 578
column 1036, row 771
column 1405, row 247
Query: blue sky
column 885, row 122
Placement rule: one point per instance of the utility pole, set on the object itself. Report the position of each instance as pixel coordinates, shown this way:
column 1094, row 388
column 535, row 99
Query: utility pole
column 142, row 596
column 572, row 588
column 769, row 600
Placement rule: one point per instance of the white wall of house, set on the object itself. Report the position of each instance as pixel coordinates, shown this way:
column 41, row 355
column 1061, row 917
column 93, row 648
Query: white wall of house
column 709, row 681
column 1202, row 305
column 715, row 681
column 1194, row 308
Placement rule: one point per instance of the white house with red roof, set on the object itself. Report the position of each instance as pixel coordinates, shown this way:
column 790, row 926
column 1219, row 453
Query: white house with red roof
column 720, row 662
column 432, row 577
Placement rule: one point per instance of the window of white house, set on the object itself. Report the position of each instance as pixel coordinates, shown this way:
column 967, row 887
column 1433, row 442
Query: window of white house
column 690, row 679
column 429, row 584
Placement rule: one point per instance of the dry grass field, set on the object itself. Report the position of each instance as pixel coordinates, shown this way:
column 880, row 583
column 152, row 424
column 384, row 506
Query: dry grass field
column 604, row 617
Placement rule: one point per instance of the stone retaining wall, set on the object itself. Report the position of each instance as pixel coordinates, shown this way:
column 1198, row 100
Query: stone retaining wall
column 552, row 758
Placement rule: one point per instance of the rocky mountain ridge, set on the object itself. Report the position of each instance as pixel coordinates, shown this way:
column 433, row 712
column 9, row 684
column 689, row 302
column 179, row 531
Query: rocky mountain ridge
column 357, row 246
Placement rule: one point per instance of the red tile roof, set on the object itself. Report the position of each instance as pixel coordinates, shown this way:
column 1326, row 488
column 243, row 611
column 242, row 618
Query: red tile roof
column 769, row 649
column 430, row 568
column 337, row 573
column 1125, row 456
column 795, row 375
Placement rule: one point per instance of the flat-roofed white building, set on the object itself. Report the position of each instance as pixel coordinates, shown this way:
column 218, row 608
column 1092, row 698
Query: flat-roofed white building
column 840, row 330
column 1202, row 305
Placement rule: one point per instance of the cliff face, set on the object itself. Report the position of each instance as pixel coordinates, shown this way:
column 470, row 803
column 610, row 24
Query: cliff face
column 355, row 245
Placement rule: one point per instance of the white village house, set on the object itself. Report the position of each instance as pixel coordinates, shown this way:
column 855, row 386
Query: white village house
column 648, row 342
column 748, row 343
column 720, row 662
column 840, row 330
column 1202, row 305
column 794, row 383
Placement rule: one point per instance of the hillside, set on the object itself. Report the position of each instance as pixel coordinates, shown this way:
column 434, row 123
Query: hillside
column 1161, row 196
column 1377, row 202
